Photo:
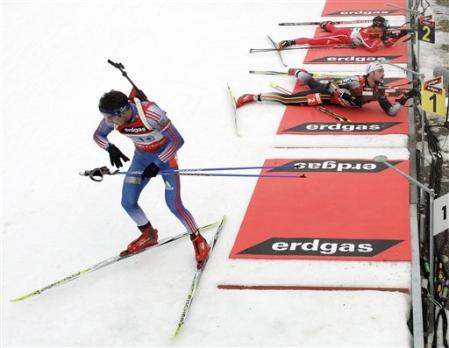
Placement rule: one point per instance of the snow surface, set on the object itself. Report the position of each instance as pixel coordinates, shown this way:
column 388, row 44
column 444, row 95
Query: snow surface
column 181, row 53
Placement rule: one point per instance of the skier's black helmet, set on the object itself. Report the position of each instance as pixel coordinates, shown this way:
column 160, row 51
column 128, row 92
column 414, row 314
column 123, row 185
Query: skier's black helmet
column 380, row 22
column 113, row 103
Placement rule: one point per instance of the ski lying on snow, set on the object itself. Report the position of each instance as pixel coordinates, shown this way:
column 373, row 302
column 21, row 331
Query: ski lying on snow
column 317, row 75
column 299, row 47
column 277, row 50
column 317, row 23
column 234, row 107
column 107, row 262
column 196, row 281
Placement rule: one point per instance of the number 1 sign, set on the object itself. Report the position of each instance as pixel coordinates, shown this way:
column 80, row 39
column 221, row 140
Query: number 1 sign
column 433, row 96
column 440, row 214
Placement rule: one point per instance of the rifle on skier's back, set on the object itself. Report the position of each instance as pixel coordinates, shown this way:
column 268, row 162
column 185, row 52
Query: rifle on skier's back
column 136, row 91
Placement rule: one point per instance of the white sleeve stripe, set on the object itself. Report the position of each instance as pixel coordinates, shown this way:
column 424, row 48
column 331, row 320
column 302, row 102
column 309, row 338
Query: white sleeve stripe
column 152, row 115
column 153, row 118
column 101, row 141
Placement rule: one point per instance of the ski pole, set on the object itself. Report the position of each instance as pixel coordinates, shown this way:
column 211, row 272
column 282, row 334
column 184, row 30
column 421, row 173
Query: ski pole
column 223, row 168
column 120, row 67
column 258, row 50
column 241, row 175
column 105, row 170
column 97, row 174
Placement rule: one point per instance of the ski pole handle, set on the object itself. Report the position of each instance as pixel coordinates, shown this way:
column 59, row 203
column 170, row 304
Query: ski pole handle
column 97, row 174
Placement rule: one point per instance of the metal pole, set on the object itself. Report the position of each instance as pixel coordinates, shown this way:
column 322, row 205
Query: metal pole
column 417, row 53
column 418, row 325
column 383, row 159
column 431, row 265
column 416, row 20
column 423, row 147
column 401, row 8
column 387, row 62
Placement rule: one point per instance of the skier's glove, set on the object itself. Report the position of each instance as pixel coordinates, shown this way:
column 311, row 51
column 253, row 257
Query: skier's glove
column 150, row 171
column 410, row 94
column 353, row 101
column 395, row 34
column 343, row 96
column 403, row 32
column 116, row 156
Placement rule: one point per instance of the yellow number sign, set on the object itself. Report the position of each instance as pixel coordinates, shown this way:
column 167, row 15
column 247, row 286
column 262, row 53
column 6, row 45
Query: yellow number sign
column 433, row 96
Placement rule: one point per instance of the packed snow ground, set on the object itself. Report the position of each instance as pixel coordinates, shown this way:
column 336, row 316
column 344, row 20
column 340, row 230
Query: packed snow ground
column 181, row 53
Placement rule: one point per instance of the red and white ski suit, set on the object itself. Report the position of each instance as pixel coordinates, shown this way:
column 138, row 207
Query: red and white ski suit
column 369, row 38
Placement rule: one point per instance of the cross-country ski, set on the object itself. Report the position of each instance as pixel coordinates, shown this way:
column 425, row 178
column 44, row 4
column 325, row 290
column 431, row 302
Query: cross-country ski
column 196, row 280
column 107, row 262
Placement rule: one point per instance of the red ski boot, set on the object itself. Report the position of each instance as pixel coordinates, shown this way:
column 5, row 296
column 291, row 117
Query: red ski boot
column 145, row 240
column 201, row 249
column 245, row 99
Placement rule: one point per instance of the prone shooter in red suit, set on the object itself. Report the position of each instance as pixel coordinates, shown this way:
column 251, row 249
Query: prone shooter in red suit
column 370, row 38
column 350, row 92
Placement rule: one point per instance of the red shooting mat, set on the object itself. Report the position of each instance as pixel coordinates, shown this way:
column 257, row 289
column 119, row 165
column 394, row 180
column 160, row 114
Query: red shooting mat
column 370, row 119
column 396, row 54
column 345, row 209
column 371, row 8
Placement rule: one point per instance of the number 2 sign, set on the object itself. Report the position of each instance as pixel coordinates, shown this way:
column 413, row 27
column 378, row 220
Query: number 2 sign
column 426, row 29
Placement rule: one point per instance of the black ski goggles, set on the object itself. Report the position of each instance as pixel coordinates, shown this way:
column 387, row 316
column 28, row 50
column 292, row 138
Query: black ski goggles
column 116, row 112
